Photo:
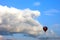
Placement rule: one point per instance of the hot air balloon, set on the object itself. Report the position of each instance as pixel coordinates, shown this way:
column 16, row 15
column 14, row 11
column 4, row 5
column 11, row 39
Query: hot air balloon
column 45, row 28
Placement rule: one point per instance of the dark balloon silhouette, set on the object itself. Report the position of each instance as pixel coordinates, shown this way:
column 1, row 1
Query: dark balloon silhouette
column 45, row 28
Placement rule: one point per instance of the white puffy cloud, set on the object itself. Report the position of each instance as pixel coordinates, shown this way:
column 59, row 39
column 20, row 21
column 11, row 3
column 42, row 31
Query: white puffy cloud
column 17, row 20
column 22, row 21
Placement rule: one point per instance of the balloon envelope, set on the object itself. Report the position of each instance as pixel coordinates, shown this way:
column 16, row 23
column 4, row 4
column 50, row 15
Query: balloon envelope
column 45, row 28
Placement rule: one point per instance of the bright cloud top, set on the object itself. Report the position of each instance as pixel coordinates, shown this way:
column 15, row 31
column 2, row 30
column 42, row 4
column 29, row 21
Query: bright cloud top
column 17, row 20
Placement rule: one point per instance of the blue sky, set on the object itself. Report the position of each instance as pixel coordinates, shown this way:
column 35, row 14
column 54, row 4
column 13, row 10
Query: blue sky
column 50, row 10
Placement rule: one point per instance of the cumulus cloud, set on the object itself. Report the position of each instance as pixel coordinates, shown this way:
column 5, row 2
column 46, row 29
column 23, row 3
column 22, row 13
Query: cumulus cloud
column 36, row 3
column 51, row 12
column 22, row 21
column 17, row 20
